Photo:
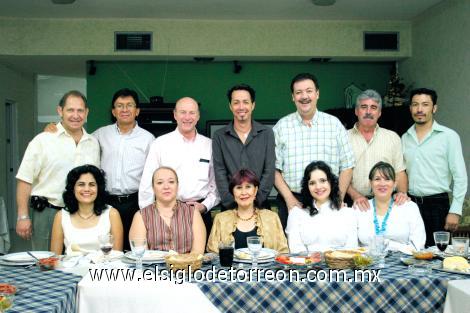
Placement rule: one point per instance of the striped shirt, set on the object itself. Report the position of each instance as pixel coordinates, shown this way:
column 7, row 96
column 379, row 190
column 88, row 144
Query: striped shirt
column 384, row 146
column 298, row 144
column 177, row 237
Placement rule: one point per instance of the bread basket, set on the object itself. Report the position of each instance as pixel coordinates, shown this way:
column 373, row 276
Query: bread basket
column 183, row 261
column 340, row 259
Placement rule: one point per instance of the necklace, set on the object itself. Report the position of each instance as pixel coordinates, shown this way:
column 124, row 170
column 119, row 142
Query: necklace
column 246, row 219
column 381, row 230
column 87, row 217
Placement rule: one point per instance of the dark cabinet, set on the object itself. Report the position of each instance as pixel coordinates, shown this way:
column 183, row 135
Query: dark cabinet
column 157, row 118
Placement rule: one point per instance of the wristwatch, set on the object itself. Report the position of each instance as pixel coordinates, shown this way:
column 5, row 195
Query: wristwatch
column 23, row 217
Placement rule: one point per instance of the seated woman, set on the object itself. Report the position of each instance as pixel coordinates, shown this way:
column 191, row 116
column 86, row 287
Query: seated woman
column 401, row 224
column 85, row 216
column 322, row 223
column 169, row 224
column 246, row 219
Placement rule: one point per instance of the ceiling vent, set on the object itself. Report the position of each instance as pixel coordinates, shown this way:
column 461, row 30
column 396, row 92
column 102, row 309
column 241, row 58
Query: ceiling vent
column 381, row 41
column 132, row 41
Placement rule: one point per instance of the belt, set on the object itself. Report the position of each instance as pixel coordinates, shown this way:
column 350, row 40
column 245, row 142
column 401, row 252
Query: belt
column 123, row 198
column 54, row 206
column 421, row 199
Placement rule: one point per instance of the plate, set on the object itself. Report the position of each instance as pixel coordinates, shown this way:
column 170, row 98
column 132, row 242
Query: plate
column 132, row 262
column 297, row 260
column 243, row 255
column 434, row 264
column 5, row 263
column 153, row 256
column 21, row 257
column 448, row 252
column 452, row 271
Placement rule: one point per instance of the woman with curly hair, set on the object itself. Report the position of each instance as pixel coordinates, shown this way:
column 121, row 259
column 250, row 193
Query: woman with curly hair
column 86, row 215
column 322, row 223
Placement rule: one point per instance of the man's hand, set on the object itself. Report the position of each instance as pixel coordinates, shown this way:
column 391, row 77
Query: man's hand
column 361, row 203
column 199, row 206
column 291, row 202
column 400, row 198
column 50, row 128
column 452, row 222
column 24, row 229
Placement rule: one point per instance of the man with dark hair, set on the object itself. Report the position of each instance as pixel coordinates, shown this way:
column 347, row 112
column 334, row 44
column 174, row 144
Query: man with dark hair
column 305, row 136
column 434, row 162
column 44, row 168
column 371, row 144
column 124, row 147
column 243, row 143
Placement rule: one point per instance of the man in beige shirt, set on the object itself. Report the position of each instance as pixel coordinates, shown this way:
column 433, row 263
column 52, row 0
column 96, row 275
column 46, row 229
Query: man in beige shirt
column 45, row 165
column 371, row 144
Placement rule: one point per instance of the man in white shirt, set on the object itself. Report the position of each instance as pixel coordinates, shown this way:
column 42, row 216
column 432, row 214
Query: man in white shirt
column 45, row 165
column 371, row 144
column 124, row 147
column 190, row 155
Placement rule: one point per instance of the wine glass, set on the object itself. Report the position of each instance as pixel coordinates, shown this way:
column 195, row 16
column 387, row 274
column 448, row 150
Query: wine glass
column 379, row 249
column 106, row 245
column 441, row 238
column 254, row 245
column 138, row 247
column 306, row 238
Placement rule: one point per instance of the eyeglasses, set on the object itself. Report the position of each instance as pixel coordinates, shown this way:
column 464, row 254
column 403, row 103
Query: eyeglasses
column 121, row 106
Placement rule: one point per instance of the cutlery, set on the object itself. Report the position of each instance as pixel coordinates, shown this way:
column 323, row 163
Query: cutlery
column 32, row 255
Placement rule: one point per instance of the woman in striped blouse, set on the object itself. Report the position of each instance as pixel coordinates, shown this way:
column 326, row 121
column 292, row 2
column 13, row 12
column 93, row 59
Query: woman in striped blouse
column 169, row 224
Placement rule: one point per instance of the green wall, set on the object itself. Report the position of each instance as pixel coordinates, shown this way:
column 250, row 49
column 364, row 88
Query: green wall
column 208, row 83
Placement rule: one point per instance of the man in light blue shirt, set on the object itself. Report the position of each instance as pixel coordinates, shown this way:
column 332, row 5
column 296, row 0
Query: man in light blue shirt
column 434, row 163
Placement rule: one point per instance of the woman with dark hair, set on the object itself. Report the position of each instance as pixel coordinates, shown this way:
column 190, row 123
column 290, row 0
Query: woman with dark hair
column 85, row 216
column 401, row 225
column 169, row 224
column 322, row 223
column 246, row 219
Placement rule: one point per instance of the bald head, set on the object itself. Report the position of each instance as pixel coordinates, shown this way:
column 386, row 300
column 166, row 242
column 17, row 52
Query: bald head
column 186, row 114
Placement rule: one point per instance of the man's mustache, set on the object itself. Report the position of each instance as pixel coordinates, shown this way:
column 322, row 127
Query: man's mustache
column 368, row 116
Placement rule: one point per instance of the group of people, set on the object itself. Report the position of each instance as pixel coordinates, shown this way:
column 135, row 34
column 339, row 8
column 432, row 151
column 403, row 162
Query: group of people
column 165, row 188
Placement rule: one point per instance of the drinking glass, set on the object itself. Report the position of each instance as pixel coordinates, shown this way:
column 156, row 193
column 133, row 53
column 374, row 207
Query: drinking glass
column 138, row 247
column 6, row 301
column 106, row 245
column 254, row 245
column 306, row 238
column 379, row 249
column 460, row 245
column 226, row 253
column 441, row 238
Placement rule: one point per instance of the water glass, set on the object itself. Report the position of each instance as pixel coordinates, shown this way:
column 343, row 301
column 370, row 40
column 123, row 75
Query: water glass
column 138, row 247
column 460, row 245
column 379, row 249
column 441, row 238
column 306, row 238
column 254, row 245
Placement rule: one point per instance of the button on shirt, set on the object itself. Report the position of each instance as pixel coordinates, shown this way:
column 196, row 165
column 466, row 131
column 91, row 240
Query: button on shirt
column 231, row 154
column 434, row 163
column 385, row 145
column 50, row 156
column 192, row 161
column 298, row 144
column 123, row 157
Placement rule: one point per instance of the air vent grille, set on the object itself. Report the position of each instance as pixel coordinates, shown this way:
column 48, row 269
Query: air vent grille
column 132, row 41
column 381, row 41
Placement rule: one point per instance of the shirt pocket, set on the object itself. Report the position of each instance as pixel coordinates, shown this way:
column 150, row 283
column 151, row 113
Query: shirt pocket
column 202, row 169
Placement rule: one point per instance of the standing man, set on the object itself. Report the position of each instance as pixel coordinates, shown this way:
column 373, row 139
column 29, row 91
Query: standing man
column 243, row 143
column 434, row 162
column 305, row 136
column 371, row 144
column 44, row 168
column 124, row 148
column 190, row 155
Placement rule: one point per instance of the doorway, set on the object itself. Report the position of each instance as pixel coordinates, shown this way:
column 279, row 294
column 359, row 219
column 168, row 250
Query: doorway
column 11, row 157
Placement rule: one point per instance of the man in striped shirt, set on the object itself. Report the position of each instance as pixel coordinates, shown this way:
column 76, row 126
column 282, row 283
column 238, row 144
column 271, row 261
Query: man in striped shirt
column 305, row 136
column 371, row 144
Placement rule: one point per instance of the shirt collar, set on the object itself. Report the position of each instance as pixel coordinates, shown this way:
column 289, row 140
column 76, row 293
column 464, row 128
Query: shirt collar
column 61, row 130
column 136, row 126
column 435, row 127
column 255, row 129
column 356, row 128
column 180, row 135
column 313, row 121
column 324, row 207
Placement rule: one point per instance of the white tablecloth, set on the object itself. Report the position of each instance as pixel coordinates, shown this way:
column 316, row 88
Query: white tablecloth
column 140, row 296
column 458, row 297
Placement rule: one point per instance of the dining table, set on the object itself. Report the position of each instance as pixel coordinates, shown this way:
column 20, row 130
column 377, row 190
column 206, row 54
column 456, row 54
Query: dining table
column 392, row 289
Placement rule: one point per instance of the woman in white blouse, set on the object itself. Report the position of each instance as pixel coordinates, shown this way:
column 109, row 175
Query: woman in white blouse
column 402, row 224
column 322, row 223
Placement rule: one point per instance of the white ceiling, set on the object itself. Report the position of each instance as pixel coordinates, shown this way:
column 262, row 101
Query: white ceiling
column 219, row 9
column 193, row 9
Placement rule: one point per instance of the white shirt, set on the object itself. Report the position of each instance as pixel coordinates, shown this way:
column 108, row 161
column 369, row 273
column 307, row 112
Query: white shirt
column 326, row 230
column 403, row 226
column 123, row 157
column 49, row 157
column 86, row 238
column 192, row 161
